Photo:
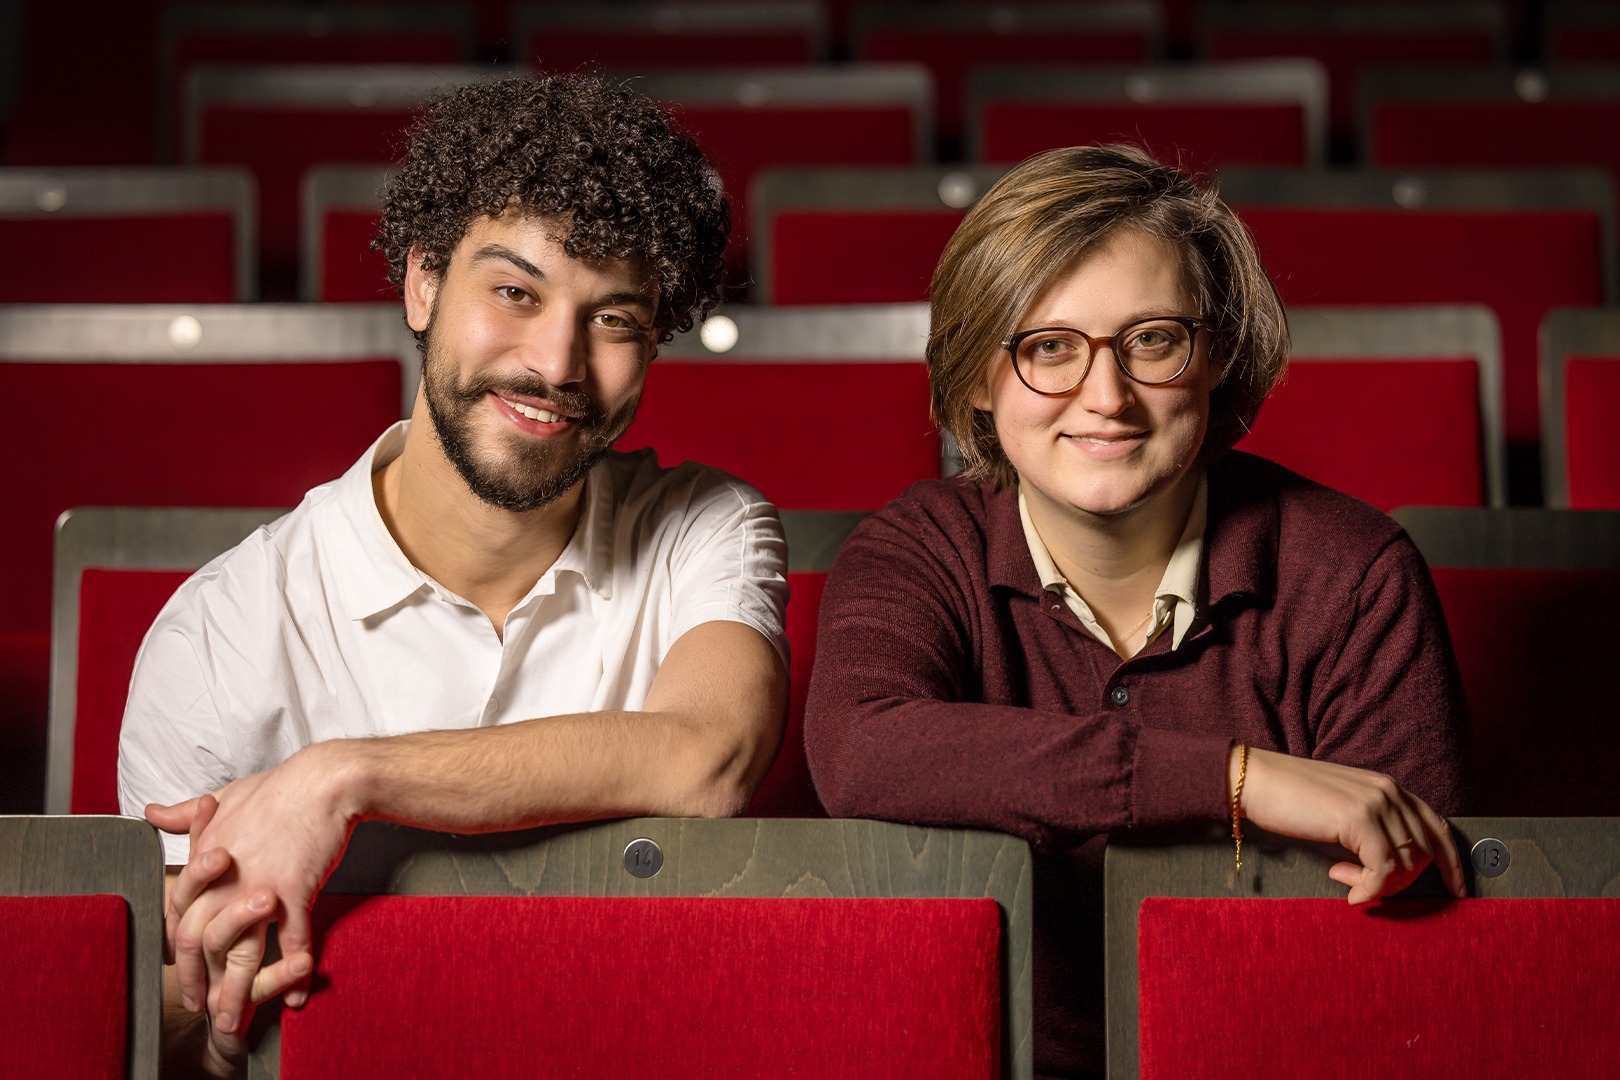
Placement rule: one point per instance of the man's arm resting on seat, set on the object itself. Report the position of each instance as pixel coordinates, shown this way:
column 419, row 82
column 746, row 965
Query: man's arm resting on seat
column 707, row 733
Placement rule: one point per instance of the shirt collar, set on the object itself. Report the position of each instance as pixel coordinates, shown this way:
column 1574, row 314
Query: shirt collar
column 374, row 575
column 1174, row 599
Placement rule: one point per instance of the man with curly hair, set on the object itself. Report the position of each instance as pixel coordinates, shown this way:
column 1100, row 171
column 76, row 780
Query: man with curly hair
column 491, row 621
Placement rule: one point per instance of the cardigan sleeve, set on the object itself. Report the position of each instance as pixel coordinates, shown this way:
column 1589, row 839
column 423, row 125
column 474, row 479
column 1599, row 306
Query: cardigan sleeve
column 1390, row 697
column 897, row 726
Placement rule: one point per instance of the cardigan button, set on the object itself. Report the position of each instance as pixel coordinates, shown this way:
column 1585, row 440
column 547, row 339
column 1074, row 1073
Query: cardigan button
column 1119, row 696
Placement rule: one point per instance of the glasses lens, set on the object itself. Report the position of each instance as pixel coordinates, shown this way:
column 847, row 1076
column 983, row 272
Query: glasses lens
column 1154, row 351
column 1052, row 361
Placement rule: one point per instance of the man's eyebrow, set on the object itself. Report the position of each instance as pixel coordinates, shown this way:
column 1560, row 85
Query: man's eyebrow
column 631, row 298
column 502, row 253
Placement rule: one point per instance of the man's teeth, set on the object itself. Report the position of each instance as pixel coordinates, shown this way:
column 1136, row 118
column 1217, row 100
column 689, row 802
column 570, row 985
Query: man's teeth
column 534, row 414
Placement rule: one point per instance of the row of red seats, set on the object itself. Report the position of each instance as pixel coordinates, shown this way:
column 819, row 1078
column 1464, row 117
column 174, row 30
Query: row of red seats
column 681, row 948
column 159, row 43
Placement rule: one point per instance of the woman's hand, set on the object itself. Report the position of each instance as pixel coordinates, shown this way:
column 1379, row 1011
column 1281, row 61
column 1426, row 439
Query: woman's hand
column 1392, row 832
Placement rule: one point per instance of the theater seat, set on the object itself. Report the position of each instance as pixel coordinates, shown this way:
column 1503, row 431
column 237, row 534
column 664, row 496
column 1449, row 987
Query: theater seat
column 819, row 408
column 668, row 948
column 751, row 120
column 1394, row 405
column 806, row 222
column 89, row 235
column 81, row 927
column 671, row 34
column 1200, row 116
column 338, row 218
column 1515, row 585
column 1580, row 379
column 1380, row 237
column 115, row 568
column 1517, row 980
column 813, row 539
column 160, row 405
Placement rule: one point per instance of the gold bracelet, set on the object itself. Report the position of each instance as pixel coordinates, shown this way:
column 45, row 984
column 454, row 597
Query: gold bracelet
column 1237, row 794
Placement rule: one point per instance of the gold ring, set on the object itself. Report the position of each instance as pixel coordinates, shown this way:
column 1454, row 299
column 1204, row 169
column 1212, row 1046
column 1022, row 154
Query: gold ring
column 1408, row 842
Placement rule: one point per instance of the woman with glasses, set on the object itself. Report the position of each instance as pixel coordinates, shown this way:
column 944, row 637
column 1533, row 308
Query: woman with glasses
column 1111, row 620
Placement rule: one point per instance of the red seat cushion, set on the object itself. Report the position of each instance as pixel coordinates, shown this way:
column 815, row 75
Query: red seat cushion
column 198, row 264
column 1591, row 437
column 810, row 435
column 810, row 261
column 1539, row 684
column 1475, row 988
column 1391, row 256
column 1390, row 432
column 559, row 48
column 116, row 607
column 631, row 987
column 64, row 1012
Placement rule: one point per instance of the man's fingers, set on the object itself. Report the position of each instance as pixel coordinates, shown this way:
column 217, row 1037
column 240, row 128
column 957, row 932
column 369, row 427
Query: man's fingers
column 202, row 870
column 234, row 946
column 173, row 819
column 281, row 976
column 1445, row 852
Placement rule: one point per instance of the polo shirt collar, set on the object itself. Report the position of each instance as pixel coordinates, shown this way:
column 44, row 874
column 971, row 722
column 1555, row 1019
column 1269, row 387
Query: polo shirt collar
column 1240, row 539
column 373, row 573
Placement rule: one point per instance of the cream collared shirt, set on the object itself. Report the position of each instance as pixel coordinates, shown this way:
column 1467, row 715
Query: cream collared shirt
column 1174, row 604
column 317, row 626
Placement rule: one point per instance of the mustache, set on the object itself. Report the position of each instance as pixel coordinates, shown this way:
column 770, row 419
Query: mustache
column 572, row 402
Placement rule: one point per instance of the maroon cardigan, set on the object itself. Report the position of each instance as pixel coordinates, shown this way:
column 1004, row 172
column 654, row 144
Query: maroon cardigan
column 949, row 689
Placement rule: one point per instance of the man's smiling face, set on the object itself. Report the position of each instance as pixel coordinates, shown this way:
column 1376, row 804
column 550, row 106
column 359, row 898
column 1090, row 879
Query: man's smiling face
column 533, row 362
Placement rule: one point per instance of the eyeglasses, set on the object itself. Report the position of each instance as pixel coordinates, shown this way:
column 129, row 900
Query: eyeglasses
column 1053, row 360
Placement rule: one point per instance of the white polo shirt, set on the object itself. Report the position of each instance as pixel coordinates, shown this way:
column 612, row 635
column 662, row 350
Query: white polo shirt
column 317, row 627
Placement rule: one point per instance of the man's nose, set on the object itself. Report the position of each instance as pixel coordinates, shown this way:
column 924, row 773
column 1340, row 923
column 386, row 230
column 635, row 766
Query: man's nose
column 556, row 348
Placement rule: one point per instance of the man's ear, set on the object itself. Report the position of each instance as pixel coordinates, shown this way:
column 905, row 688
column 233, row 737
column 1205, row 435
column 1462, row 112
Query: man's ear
column 421, row 287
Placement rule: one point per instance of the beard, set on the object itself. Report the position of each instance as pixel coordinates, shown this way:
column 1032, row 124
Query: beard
column 523, row 474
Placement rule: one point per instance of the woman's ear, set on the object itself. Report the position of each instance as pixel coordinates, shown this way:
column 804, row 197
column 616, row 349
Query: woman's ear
column 421, row 288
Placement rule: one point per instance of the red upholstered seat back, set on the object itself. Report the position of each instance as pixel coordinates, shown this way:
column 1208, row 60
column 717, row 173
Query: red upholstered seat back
column 1201, row 137
column 237, row 434
column 279, row 144
column 116, row 607
column 810, row 435
column 1394, row 433
column 1591, row 436
column 69, row 260
column 1393, row 256
column 742, row 140
column 811, row 259
column 1478, row 988
column 632, row 987
column 950, row 54
column 1495, row 134
column 787, row 790
column 1346, row 51
column 1539, row 678
column 350, row 271
column 613, row 45
column 64, row 1009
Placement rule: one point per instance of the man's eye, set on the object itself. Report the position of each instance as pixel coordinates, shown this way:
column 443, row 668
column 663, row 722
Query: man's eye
column 513, row 293
column 621, row 325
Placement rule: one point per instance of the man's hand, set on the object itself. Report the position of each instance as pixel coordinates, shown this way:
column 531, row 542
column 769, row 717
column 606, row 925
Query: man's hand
column 1392, row 833
column 261, row 848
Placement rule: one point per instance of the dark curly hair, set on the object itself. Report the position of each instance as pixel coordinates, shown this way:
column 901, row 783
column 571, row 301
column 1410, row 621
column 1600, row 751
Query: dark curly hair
column 603, row 159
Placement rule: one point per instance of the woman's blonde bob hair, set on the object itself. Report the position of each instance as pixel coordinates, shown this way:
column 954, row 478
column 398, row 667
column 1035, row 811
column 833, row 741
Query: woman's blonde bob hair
column 1034, row 222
